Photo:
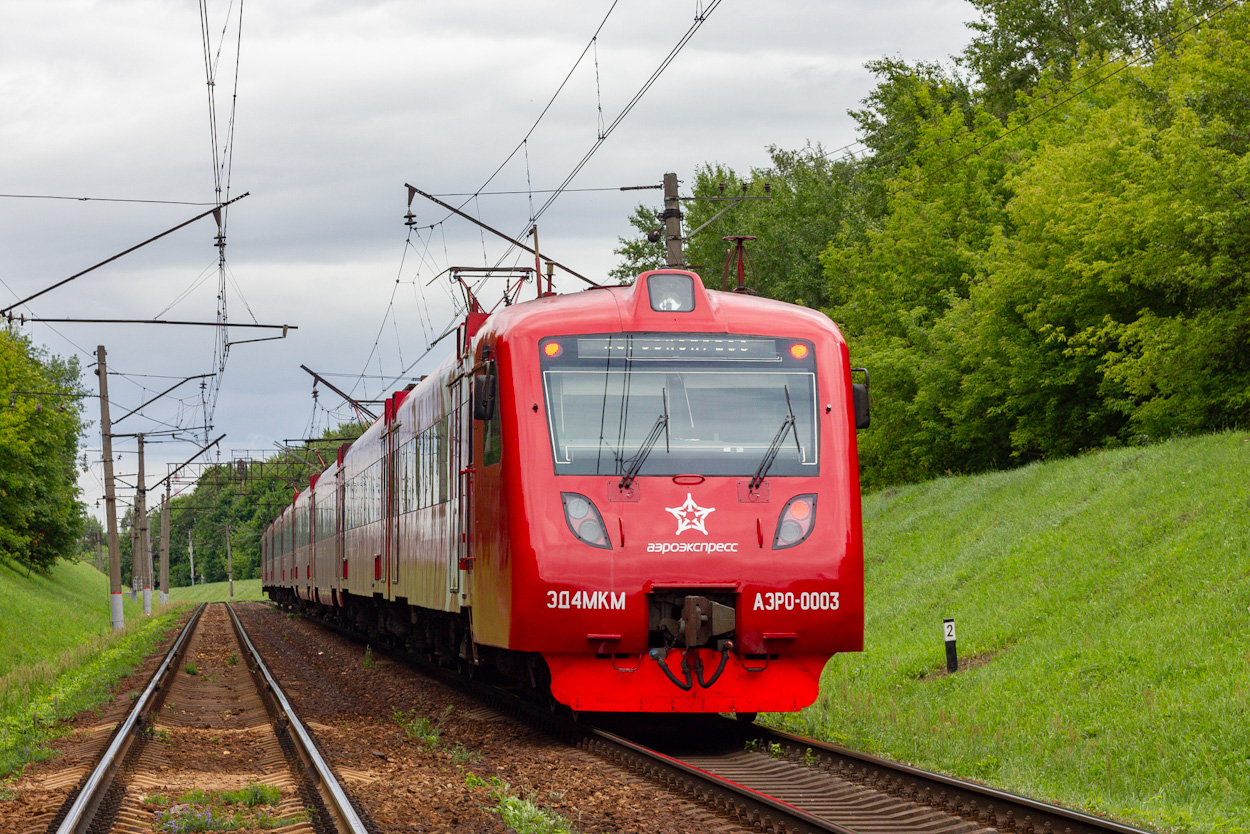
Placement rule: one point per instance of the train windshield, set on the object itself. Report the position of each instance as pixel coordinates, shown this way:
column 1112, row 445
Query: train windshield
column 681, row 404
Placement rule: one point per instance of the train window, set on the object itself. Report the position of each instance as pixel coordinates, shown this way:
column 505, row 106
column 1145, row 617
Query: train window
column 442, row 458
column 374, row 481
column 492, row 439
column 429, row 470
column 408, row 476
column 362, row 498
column 723, row 404
column 349, row 504
column 424, row 485
column 327, row 520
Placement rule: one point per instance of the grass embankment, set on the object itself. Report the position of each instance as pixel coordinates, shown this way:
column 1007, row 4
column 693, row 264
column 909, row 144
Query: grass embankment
column 1102, row 606
column 59, row 654
column 245, row 590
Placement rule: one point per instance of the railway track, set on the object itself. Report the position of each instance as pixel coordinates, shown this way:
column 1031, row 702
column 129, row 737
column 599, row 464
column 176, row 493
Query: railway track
column 779, row 782
column 212, row 733
column 763, row 779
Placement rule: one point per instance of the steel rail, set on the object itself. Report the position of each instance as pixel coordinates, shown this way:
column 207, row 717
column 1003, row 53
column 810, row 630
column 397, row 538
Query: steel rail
column 93, row 790
column 724, row 794
column 955, row 796
column 346, row 817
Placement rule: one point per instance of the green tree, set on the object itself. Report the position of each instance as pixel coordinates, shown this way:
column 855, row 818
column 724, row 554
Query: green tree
column 793, row 208
column 40, row 421
column 906, row 96
column 1071, row 278
column 640, row 253
column 1133, row 245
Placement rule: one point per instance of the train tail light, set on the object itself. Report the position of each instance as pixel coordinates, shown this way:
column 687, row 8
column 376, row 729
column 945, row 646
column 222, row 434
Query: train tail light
column 796, row 522
column 584, row 520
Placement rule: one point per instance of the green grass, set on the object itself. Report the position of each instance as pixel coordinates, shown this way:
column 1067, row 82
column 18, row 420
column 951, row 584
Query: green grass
column 245, row 590
column 421, row 728
column 59, row 654
column 1102, row 605
column 199, row 810
column 523, row 816
column 42, row 616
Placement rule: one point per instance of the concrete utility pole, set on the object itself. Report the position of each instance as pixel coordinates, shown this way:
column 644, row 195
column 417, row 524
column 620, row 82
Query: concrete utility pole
column 136, row 577
column 672, row 223
column 144, row 552
column 165, row 547
column 191, row 553
column 116, row 613
column 229, row 564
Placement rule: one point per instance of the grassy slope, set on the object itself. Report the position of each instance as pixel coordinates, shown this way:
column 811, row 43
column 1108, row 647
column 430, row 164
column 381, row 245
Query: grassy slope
column 45, row 615
column 244, row 589
column 1104, row 604
column 59, row 654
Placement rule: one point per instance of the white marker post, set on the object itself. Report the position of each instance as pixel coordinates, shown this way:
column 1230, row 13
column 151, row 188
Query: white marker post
column 952, row 655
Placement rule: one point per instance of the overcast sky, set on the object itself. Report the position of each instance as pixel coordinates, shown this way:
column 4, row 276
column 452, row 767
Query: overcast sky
column 338, row 105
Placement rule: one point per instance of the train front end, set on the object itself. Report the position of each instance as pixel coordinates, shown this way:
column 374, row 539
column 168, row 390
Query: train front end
column 686, row 464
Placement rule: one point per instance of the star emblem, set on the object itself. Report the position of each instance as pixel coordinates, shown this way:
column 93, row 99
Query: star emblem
column 690, row 515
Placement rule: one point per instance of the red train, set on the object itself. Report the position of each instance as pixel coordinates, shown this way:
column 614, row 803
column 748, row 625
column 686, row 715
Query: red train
column 629, row 499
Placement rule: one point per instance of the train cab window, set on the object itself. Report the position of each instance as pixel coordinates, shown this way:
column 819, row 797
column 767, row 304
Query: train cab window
column 711, row 405
column 486, row 412
column 492, row 439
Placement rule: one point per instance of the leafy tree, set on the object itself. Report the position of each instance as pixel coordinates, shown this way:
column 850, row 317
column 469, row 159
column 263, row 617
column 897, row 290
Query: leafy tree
column 1017, row 40
column 1046, row 248
column 40, row 420
column 1071, row 278
column 640, row 253
column 792, row 207
column 906, row 96
column 1132, row 249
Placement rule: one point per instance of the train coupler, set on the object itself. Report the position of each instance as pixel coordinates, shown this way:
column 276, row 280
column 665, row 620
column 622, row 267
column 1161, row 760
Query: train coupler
column 691, row 667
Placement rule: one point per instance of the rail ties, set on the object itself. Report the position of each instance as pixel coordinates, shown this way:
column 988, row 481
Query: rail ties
column 211, row 721
column 979, row 806
column 776, row 781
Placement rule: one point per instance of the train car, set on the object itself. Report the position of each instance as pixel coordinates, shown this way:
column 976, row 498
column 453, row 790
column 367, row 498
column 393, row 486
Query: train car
column 631, row 499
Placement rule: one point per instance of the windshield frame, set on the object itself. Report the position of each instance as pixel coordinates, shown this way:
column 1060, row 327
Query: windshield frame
column 632, row 366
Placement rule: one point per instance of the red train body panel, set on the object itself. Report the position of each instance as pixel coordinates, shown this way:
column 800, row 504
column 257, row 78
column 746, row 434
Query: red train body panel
column 635, row 507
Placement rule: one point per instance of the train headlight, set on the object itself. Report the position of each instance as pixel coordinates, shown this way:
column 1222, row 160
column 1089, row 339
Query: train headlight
column 797, row 519
column 671, row 293
column 584, row 520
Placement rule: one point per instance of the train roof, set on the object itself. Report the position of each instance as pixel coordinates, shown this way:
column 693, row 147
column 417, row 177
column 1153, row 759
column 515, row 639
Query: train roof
column 631, row 308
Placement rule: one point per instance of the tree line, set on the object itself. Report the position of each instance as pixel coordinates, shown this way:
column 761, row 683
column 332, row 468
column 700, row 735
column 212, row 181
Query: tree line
column 231, row 501
column 1044, row 248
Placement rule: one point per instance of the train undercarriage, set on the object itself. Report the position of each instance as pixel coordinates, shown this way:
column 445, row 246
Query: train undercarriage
column 438, row 637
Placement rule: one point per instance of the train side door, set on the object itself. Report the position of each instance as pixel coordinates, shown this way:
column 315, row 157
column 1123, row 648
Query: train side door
column 340, row 554
column 312, row 540
column 390, row 506
column 461, row 443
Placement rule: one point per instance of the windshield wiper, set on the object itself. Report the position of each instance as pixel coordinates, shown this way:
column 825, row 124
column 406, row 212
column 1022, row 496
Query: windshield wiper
column 640, row 457
column 773, row 448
